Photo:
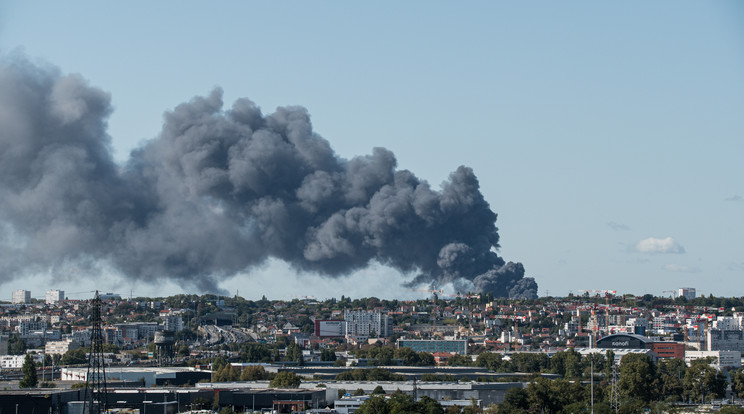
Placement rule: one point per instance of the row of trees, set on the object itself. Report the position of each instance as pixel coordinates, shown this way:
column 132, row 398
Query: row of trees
column 387, row 355
column 641, row 385
column 400, row 403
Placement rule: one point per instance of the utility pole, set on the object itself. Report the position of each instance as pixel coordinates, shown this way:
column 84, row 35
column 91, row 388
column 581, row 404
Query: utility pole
column 591, row 374
column 43, row 357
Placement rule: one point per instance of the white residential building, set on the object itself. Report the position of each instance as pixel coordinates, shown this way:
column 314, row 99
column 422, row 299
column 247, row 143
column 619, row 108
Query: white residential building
column 16, row 361
column 54, row 296
column 21, row 296
column 26, row 327
column 172, row 321
column 363, row 324
column 60, row 347
column 722, row 358
column 687, row 293
column 348, row 404
column 725, row 339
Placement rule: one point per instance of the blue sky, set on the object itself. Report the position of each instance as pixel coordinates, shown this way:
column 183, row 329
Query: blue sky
column 607, row 136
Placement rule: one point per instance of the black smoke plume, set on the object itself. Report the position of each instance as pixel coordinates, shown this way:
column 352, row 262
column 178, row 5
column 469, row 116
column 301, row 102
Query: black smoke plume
column 220, row 191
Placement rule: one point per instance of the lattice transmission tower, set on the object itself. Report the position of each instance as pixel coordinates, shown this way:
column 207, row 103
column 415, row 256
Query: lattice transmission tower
column 96, row 397
column 614, row 391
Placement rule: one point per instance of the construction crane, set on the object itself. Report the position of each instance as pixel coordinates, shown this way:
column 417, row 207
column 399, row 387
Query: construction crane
column 608, row 294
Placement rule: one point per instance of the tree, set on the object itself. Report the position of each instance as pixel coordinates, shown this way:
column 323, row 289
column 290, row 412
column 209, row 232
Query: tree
column 253, row 352
column 286, row 379
column 530, row 362
column 401, row 403
column 539, row 395
column 374, row 405
column 373, row 374
column 490, row 360
column 327, row 355
column 731, row 410
column 378, row 390
column 16, row 345
column 458, row 360
column 427, row 405
column 737, row 383
column 184, row 351
column 74, row 357
column 218, row 363
column 425, row 359
column 566, row 364
column 637, row 375
column 671, row 371
column 515, row 400
column 473, row 408
column 253, row 373
column 294, row 353
column 29, row 373
column 226, row 373
column 407, row 356
column 553, row 396
column 609, row 362
column 703, row 381
column 453, row 409
column 596, row 359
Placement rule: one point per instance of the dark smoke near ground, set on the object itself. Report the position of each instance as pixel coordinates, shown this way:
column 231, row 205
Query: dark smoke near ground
column 220, row 191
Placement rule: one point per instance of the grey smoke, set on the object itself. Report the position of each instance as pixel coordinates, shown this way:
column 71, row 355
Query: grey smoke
column 219, row 191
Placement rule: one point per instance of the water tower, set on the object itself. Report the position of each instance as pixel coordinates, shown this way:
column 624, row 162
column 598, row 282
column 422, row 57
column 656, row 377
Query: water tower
column 164, row 341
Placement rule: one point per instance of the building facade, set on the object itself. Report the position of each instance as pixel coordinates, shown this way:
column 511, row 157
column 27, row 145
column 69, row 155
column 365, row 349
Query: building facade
column 687, row 293
column 16, row 361
column 668, row 349
column 330, row 328
column 722, row 359
column 172, row 322
column 725, row 340
column 660, row 349
column 21, row 296
column 365, row 324
column 54, row 296
column 60, row 347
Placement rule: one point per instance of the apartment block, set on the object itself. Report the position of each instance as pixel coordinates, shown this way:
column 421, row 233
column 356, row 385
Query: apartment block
column 21, row 296
column 54, row 296
column 364, row 324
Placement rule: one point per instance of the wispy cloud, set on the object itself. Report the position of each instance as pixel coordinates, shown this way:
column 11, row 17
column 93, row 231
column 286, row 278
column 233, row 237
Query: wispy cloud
column 617, row 226
column 652, row 245
column 736, row 266
column 735, row 197
column 672, row 267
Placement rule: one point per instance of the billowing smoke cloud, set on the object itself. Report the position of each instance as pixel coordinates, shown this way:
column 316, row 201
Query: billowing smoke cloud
column 219, row 191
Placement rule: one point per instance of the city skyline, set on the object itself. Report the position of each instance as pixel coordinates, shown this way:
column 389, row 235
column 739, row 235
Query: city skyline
column 607, row 138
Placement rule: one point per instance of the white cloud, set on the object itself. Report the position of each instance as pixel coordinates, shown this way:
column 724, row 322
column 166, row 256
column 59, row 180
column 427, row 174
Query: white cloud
column 653, row 245
column 680, row 268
